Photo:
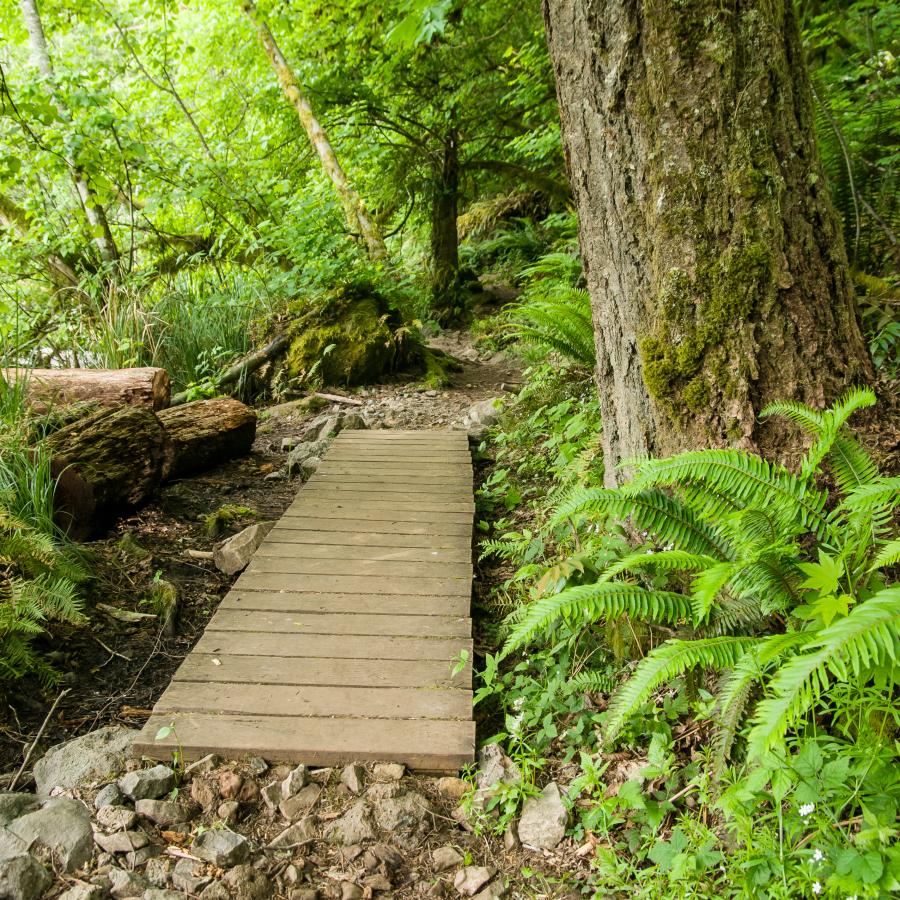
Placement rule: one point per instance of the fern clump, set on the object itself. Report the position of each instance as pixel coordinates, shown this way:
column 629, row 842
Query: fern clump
column 781, row 586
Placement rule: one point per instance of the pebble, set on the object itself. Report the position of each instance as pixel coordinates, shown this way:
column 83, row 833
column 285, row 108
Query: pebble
column 301, row 803
column 147, row 784
column 470, row 880
column 221, row 847
column 389, row 771
column 452, row 788
column 204, row 765
column 445, row 858
column 354, row 778
column 257, row 765
column 162, row 812
column 295, row 782
column 108, row 796
column 122, row 841
column 230, row 784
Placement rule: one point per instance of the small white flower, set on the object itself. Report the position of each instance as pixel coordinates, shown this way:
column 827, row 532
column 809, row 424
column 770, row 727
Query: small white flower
column 818, row 855
column 807, row 809
column 817, row 887
column 518, row 703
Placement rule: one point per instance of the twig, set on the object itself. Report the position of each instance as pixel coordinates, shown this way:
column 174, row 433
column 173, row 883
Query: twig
column 339, row 398
column 110, row 650
column 12, row 784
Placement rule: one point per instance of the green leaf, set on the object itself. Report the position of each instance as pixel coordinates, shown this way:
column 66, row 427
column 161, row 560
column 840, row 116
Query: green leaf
column 823, row 576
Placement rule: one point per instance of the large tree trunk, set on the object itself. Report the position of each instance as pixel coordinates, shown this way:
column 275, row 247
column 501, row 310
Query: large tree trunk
column 207, row 432
column 107, row 462
column 444, row 236
column 93, row 211
column 358, row 218
column 712, row 253
column 110, row 387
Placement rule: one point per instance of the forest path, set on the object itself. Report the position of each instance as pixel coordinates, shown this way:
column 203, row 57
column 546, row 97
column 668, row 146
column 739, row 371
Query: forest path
column 338, row 642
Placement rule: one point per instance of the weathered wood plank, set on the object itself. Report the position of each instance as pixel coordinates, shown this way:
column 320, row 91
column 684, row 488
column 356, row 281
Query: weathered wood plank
column 332, row 646
column 380, row 514
column 324, row 525
column 428, row 745
column 402, row 490
column 363, row 602
column 287, row 671
column 286, row 565
column 282, row 546
column 351, row 584
column 308, row 700
column 379, row 502
column 385, row 484
column 254, row 620
column 349, row 536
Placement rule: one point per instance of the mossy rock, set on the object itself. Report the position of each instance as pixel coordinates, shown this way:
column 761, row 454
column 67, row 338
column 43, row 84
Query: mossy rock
column 225, row 517
column 350, row 338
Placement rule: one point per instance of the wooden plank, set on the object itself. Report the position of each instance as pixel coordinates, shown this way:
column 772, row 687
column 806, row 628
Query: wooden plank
column 429, row 745
column 306, row 700
column 280, row 670
column 365, row 603
column 254, row 620
column 352, row 584
column 428, row 459
column 382, row 514
column 377, row 502
column 375, row 481
column 322, row 524
column 332, row 646
column 282, row 546
column 348, row 537
column 364, row 487
column 440, row 470
column 286, row 565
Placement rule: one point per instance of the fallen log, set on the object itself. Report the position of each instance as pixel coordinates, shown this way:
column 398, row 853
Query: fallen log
column 207, row 432
column 148, row 387
column 244, row 367
column 105, row 463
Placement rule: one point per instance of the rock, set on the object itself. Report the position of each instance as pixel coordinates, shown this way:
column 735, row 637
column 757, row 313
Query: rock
column 452, row 788
column 136, row 858
column 13, row 805
column 288, row 444
column 116, row 818
column 383, row 790
column 161, row 894
column 354, row 826
column 321, row 776
column 22, row 877
column 122, row 841
column 108, row 796
column 63, row 827
column 247, row 883
column 470, row 880
column 444, row 858
column 11, row 844
column 204, row 792
column 389, row 771
column 221, row 847
column 351, row 891
column 407, row 816
column 481, row 416
column 215, row 891
column 296, row 780
column 230, row 784
column 147, row 784
column 271, row 795
column 303, row 453
column 378, row 882
column 205, row 765
column 162, row 812
column 301, row 803
column 352, row 421
column 544, row 819
column 497, row 889
column 90, row 757
column 511, row 837
column 382, row 855
column 304, row 894
column 228, row 811
column 295, row 835
column 495, row 766
column 158, row 871
column 354, row 778
column 257, row 765
column 190, row 876
column 85, row 892
column 126, row 884
column 231, row 556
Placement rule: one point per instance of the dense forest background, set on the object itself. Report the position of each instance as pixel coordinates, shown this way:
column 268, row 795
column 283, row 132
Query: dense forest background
column 182, row 184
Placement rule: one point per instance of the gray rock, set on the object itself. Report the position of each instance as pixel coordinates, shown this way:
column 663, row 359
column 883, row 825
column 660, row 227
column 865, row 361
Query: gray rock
column 303, row 452
column 13, row 805
column 126, row 884
column 353, row 777
column 190, row 876
column 511, row 836
column 228, row 811
column 11, row 844
column 296, row 780
column 352, row 421
column 494, row 890
column 494, row 767
column 84, row 892
column 481, row 416
column 444, row 858
column 158, row 871
column 90, row 757
column 406, row 816
column 221, row 847
column 162, row 812
column 382, row 855
column 288, row 444
column 544, row 819
column 452, row 788
column 354, row 827
column 257, row 765
column 295, row 835
column 22, row 877
column 304, row 894
column 108, row 796
column 63, row 827
column 161, row 894
column 470, row 880
column 301, row 803
column 232, row 556
column 247, row 883
column 137, row 858
column 204, row 765
column 351, row 891
column 271, row 795
column 122, row 841
column 115, row 818
column 147, row 784
column 383, row 790
column 389, row 771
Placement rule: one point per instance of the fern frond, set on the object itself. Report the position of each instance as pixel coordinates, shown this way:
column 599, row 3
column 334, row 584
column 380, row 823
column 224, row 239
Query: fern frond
column 667, row 560
column 869, row 636
column 889, row 555
column 591, row 682
column 809, row 419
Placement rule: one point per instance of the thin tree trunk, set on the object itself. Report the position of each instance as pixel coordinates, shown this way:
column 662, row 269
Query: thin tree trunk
column 93, row 210
column 444, row 236
column 358, row 219
column 713, row 255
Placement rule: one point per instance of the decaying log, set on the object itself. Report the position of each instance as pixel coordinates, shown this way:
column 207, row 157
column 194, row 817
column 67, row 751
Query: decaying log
column 107, row 462
column 148, row 387
column 207, row 432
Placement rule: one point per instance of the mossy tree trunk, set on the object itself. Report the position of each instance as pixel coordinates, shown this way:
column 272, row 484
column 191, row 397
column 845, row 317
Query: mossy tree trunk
column 446, row 303
column 713, row 255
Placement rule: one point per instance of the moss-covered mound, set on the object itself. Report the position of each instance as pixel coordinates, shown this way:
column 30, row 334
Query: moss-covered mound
column 351, row 337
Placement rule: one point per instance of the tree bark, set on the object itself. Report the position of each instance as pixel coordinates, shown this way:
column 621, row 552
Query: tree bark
column 713, row 255
column 147, row 387
column 358, row 218
column 445, row 303
column 93, row 210
column 207, row 432
column 105, row 463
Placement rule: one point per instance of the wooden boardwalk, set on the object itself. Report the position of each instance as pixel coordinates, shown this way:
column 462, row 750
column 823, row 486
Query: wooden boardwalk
column 338, row 641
